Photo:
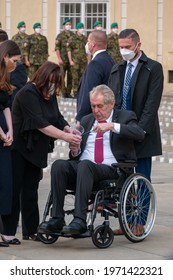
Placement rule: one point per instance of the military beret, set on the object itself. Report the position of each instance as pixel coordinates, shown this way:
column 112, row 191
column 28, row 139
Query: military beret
column 36, row 25
column 79, row 25
column 114, row 24
column 66, row 20
column 97, row 23
column 20, row 24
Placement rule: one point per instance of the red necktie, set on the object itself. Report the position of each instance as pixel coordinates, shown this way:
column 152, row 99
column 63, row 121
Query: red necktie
column 98, row 151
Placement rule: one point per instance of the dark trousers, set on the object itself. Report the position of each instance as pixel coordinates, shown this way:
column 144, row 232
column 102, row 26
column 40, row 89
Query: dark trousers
column 144, row 167
column 25, row 197
column 82, row 175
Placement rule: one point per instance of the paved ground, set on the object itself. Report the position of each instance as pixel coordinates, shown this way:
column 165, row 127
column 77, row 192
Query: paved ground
column 157, row 246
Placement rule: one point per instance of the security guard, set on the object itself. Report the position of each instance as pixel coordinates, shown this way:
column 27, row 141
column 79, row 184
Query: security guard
column 22, row 40
column 77, row 55
column 112, row 43
column 37, row 49
column 61, row 44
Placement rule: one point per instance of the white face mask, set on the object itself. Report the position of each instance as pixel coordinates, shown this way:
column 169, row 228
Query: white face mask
column 22, row 29
column 38, row 30
column 128, row 54
column 87, row 49
column 99, row 28
column 81, row 31
column 68, row 27
column 115, row 30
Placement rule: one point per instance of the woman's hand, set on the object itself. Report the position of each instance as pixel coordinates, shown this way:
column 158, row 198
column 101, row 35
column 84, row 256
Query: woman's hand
column 72, row 138
column 9, row 139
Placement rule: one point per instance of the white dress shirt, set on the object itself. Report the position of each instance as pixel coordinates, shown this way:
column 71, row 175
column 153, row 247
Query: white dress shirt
column 108, row 156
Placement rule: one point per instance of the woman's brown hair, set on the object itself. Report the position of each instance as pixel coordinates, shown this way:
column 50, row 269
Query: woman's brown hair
column 48, row 73
column 8, row 48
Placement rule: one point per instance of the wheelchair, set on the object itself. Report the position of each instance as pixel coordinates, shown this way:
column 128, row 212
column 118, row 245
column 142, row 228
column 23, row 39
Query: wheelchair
column 130, row 198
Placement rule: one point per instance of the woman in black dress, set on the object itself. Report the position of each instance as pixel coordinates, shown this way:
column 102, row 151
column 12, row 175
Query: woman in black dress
column 36, row 118
column 9, row 55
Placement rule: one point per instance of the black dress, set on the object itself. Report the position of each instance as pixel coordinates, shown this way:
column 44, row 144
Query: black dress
column 29, row 154
column 5, row 163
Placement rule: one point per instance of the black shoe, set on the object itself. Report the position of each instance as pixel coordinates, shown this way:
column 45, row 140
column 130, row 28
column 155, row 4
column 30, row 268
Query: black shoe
column 13, row 241
column 32, row 237
column 3, row 244
column 53, row 225
column 76, row 227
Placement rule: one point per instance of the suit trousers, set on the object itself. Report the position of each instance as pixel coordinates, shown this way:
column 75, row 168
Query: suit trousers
column 144, row 167
column 26, row 178
column 80, row 176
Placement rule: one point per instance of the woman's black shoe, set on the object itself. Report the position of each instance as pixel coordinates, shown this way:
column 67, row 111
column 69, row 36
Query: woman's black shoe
column 3, row 244
column 13, row 241
column 33, row 237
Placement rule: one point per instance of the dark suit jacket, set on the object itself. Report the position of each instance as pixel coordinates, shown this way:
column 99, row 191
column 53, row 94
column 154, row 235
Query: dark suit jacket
column 122, row 145
column 96, row 73
column 146, row 92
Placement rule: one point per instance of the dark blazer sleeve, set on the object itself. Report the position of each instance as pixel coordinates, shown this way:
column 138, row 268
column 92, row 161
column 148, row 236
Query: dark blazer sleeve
column 92, row 77
column 152, row 98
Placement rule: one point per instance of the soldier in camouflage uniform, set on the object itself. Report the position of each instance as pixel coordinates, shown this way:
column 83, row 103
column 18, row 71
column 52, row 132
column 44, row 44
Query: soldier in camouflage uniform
column 61, row 42
column 98, row 25
column 21, row 39
column 37, row 49
column 112, row 43
column 77, row 55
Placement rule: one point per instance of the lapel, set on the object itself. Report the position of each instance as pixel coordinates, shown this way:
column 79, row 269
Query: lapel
column 135, row 77
column 114, row 119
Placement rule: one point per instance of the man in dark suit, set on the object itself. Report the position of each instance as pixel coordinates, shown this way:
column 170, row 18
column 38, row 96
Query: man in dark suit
column 96, row 73
column 143, row 97
column 119, row 131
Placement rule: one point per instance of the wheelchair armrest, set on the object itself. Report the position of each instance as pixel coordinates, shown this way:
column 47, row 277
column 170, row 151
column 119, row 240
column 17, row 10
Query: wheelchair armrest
column 125, row 164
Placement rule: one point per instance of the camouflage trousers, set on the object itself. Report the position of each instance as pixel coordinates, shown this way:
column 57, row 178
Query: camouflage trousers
column 32, row 69
column 77, row 71
column 67, row 79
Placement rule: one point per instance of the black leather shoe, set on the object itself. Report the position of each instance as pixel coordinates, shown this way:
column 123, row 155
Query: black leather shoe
column 3, row 244
column 53, row 225
column 32, row 237
column 76, row 227
column 13, row 241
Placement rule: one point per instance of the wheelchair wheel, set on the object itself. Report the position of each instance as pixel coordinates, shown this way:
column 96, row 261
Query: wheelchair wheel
column 137, row 207
column 102, row 237
column 47, row 238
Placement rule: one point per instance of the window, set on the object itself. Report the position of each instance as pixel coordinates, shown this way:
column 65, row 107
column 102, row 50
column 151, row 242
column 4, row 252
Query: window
column 86, row 11
column 170, row 76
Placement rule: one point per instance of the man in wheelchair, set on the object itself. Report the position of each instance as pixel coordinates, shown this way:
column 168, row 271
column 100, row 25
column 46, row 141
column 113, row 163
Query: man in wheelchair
column 108, row 138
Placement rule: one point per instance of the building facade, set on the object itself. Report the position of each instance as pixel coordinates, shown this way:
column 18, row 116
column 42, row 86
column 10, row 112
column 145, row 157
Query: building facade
column 151, row 18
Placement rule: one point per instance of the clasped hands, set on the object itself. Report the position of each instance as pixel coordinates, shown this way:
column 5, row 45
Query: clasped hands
column 6, row 138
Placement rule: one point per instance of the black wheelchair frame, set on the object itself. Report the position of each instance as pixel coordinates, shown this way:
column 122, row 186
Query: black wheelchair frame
column 130, row 198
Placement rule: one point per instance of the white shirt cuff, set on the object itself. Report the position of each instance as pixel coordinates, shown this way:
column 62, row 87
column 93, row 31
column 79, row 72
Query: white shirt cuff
column 116, row 128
